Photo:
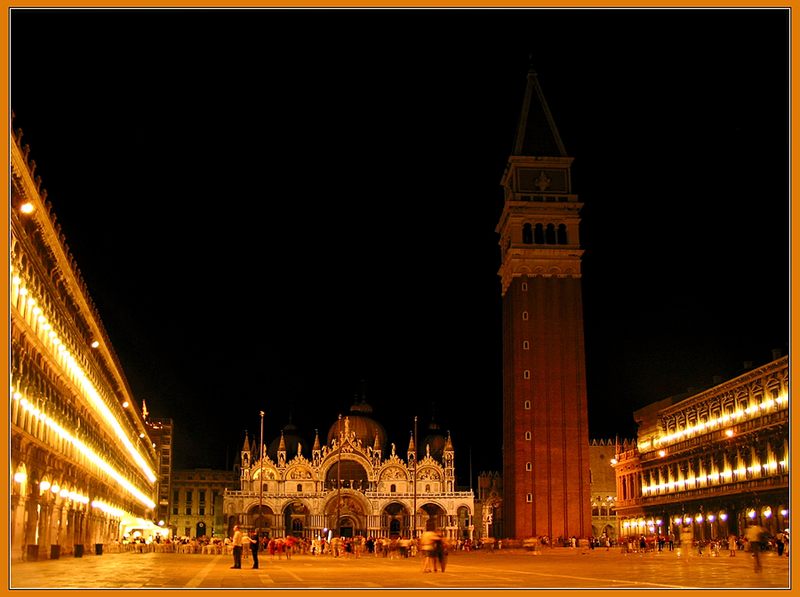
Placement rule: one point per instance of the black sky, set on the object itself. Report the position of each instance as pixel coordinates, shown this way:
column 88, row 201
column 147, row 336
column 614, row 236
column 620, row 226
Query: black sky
column 269, row 206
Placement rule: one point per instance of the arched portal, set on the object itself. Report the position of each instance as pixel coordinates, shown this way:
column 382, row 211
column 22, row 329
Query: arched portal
column 295, row 518
column 432, row 516
column 347, row 527
column 395, row 519
column 347, row 509
column 260, row 518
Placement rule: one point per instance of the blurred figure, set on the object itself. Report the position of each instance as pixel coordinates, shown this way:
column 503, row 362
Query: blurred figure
column 756, row 537
column 430, row 543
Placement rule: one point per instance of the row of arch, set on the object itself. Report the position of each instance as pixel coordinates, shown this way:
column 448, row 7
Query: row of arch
column 709, row 523
column 395, row 519
column 541, row 234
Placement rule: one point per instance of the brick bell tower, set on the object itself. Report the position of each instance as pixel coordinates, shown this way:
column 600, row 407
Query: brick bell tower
column 545, row 420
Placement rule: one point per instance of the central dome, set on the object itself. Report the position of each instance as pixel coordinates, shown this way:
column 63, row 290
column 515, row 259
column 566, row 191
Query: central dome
column 291, row 440
column 360, row 422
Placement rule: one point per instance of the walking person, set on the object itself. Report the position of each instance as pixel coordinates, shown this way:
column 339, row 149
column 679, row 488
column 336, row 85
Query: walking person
column 237, row 547
column 441, row 552
column 756, row 537
column 428, row 546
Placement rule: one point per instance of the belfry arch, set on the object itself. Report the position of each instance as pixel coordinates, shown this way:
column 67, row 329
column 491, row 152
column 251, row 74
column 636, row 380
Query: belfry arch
column 352, row 473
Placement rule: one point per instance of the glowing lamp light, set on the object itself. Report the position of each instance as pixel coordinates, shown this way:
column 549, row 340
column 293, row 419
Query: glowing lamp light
column 95, row 344
column 751, row 514
column 723, row 517
column 44, row 485
column 64, row 493
column 55, row 488
column 662, row 453
column 21, row 477
column 711, row 518
column 613, row 461
column 729, row 432
column 27, row 207
column 125, row 404
column 784, row 512
column 699, row 518
column 767, row 512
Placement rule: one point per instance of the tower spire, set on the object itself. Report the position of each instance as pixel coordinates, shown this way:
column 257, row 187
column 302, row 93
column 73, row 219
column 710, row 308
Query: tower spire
column 537, row 134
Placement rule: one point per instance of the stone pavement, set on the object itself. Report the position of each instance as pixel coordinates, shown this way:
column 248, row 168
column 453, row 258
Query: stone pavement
column 553, row 568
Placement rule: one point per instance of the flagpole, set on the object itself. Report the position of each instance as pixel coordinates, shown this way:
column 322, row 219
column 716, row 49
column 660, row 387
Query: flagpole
column 416, row 451
column 339, row 478
column 260, row 477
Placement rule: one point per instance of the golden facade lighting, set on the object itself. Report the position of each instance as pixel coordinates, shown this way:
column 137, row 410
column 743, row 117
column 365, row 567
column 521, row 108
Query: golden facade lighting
column 92, row 456
column 89, row 391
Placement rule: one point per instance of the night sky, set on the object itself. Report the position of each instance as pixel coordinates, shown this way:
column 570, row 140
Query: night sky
column 271, row 206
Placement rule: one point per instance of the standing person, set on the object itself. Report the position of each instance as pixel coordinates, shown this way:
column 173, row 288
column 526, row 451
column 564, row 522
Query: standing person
column 237, row 547
column 779, row 542
column 732, row 544
column 254, row 549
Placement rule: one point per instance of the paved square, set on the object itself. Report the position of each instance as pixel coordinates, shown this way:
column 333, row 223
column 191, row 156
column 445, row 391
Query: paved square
column 554, row 568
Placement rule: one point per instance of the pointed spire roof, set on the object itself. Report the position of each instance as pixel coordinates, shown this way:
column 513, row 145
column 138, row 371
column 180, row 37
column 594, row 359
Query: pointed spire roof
column 411, row 446
column 316, row 445
column 537, row 134
column 377, row 444
column 246, row 446
column 282, row 444
column 448, row 443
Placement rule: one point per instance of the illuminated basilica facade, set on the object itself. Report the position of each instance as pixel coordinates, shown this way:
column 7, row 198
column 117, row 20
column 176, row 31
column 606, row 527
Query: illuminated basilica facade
column 712, row 463
column 350, row 478
column 82, row 467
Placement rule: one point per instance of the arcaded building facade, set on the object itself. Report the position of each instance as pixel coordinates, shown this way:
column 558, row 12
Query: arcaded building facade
column 351, row 482
column 545, row 420
column 712, row 463
column 82, row 467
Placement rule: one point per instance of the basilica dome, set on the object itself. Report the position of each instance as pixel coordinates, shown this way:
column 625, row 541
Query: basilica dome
column 435, row 440
column 361, row 422
column 291, row 439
